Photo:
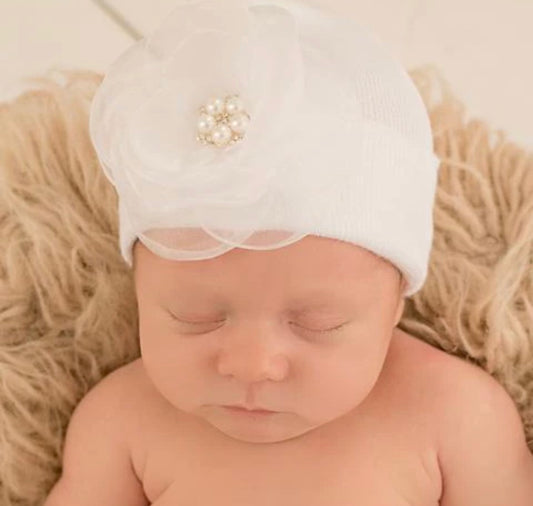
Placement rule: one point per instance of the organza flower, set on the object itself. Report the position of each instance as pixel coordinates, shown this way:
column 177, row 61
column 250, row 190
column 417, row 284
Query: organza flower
column 145, row 115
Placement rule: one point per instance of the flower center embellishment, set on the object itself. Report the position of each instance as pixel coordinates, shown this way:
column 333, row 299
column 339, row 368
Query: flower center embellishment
column 222, row 121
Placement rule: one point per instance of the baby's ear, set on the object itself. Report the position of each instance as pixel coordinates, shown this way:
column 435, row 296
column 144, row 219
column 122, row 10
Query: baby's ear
column 402, row 282
column 401, row 303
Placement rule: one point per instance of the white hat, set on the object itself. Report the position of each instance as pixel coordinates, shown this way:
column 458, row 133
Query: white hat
column 251, row 124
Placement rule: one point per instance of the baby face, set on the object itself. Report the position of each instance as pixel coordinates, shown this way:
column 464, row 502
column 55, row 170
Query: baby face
column 302, row 331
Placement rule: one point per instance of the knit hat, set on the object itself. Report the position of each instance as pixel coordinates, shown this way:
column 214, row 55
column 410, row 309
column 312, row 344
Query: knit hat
column 254, row 123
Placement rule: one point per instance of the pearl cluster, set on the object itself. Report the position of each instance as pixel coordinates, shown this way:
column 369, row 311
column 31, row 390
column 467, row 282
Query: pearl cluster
column 223, row 121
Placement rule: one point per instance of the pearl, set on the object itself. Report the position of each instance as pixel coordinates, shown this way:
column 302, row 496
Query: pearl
column 234, row 105
column 222, row 121
column 215, row 106
column 206, row 123
column 221, row 135
column 239, row 123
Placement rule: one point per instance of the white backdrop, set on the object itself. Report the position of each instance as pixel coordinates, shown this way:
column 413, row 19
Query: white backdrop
column 484, row 47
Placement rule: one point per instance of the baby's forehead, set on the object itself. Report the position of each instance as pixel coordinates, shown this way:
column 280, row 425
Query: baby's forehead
column 314, row 268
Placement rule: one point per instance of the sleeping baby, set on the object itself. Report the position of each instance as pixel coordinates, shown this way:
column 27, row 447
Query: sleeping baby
column 272, row 252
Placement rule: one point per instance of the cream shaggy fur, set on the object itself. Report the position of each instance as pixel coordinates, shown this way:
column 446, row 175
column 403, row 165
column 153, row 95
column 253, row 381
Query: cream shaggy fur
column 68, row 313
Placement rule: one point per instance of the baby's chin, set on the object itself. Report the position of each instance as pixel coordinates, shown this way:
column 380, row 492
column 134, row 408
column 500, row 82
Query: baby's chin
column 257, row 429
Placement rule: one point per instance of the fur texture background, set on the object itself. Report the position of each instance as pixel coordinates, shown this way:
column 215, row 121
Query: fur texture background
column 68, row 313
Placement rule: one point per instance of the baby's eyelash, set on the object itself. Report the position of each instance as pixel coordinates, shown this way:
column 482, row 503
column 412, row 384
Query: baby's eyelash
column 325, row 331
column 194, row 323
column 315, row 331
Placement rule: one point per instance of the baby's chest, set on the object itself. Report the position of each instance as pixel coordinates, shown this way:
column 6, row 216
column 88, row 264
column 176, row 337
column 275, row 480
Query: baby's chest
column 377, row 488
column 377, row 472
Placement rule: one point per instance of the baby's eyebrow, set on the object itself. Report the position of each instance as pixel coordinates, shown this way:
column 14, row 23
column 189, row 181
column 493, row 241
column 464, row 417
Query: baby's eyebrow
column 310, row 308
column 314, row 299
column 322, row 301
column 307, row 303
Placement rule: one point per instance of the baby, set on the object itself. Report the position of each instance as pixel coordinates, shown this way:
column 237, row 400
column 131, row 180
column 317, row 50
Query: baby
column 272, row 254
column 359, row 412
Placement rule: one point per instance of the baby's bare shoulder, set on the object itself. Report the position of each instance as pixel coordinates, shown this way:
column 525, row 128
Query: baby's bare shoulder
column 441, row 378
column 143, row 396
column 123, row 390
column 124, row 384
column 130, row 374
column 452, row 389
column 469, row 408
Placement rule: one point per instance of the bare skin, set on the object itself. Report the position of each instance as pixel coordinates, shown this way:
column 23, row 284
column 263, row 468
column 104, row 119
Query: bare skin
column 385, row 454
column 365, row 415
column 351, row 428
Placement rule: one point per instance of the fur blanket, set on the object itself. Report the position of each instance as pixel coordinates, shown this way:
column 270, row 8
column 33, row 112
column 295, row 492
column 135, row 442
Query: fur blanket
column 68, row 313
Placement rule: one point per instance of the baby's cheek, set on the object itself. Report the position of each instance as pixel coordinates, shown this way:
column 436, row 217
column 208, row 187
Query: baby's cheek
column 347, row 377
column 344, row 387
column 168, row 371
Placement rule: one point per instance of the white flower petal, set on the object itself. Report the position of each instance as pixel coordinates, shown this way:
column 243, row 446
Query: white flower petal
column 147, row 111
column 277, row 76
column 197, row 17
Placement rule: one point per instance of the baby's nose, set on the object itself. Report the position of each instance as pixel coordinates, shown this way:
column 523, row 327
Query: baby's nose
column 251, row 356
